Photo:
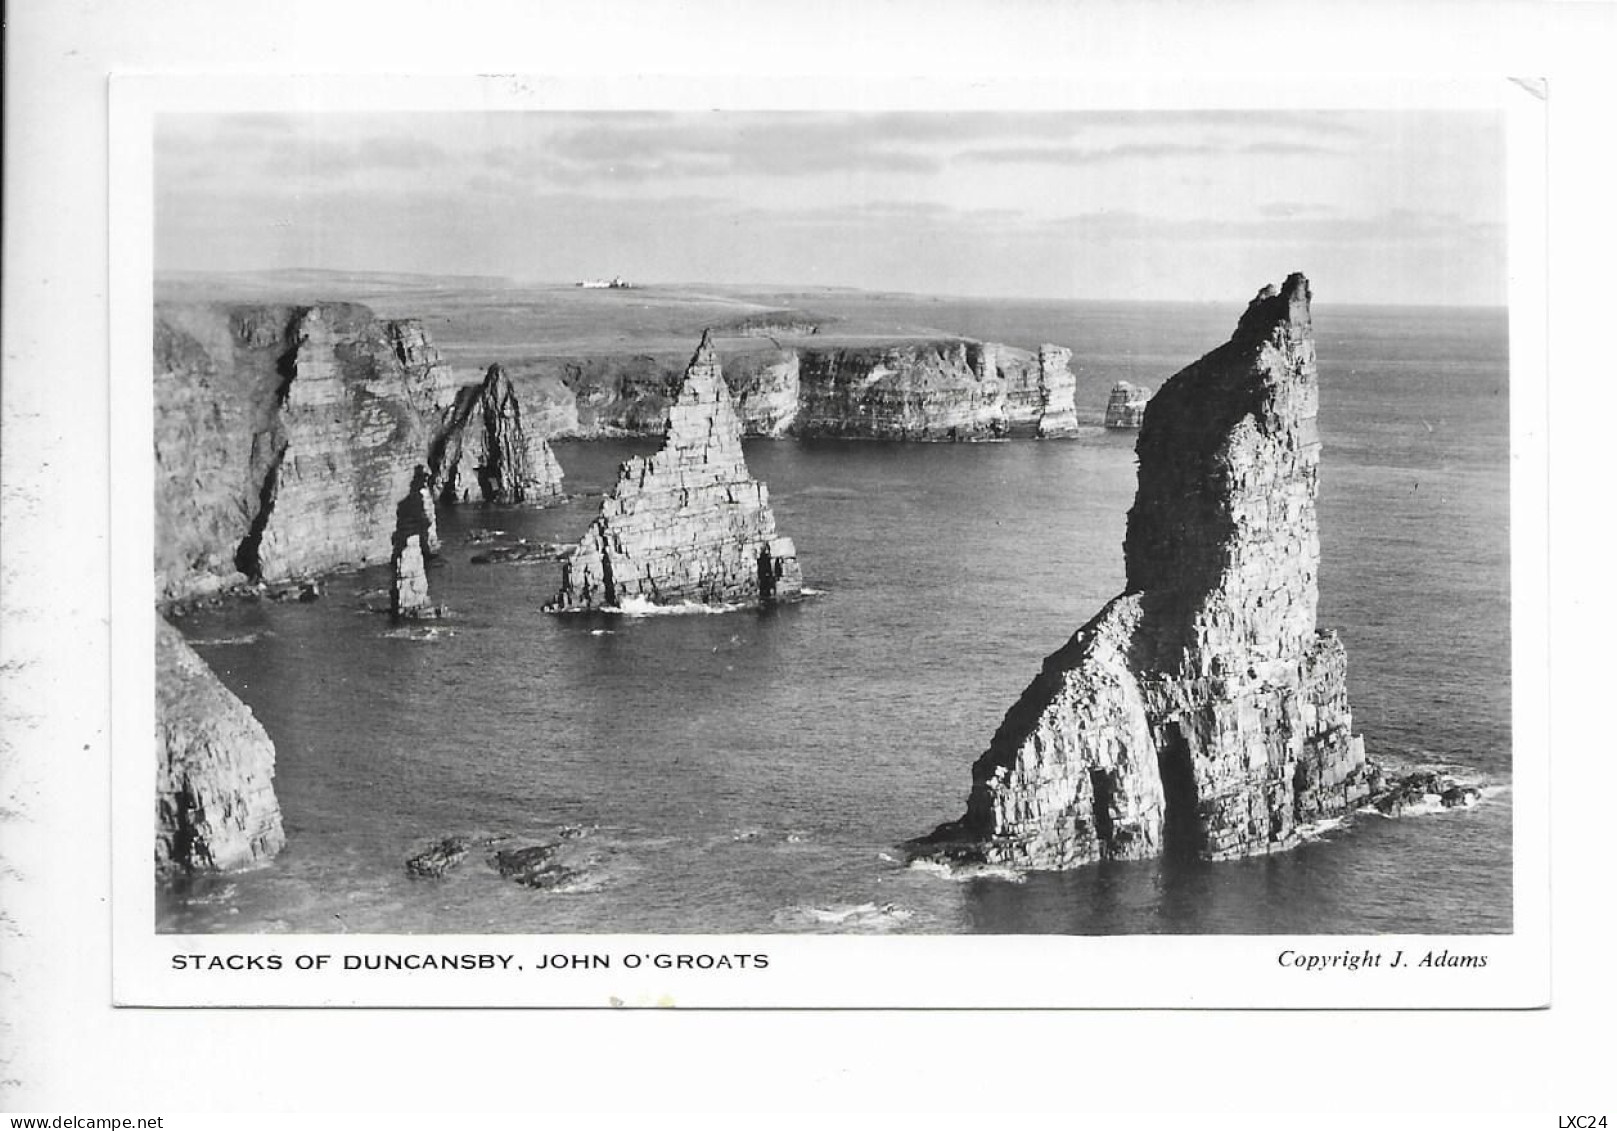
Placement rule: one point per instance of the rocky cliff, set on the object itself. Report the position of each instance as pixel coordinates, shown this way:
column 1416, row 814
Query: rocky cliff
column 689, row 523
column 487, row 454
column 1055, row 412
column 216, row 807
column 283, row 436
column 1200, row 712
column 912, row 389
column 1125, row 407
column 948, row 390
column 767, row 387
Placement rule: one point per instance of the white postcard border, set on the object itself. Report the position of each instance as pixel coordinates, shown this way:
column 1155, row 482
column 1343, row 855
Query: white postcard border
column 901, row 971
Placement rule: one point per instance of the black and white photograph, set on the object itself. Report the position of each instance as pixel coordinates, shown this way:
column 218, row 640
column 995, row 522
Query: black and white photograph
column 1049, row 522
column 686, row 558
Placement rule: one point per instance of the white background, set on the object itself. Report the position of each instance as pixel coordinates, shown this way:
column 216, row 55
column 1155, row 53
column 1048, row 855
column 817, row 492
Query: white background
column 65, row 1049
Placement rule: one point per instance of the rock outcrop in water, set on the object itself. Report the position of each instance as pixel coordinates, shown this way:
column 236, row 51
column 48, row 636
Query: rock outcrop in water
column 1056, row 413
column 1125, row 408
column 1200, row 712
column 415, row 535
column 486, row 454
column 216, row 806
column 284, row 435
column 689, row 523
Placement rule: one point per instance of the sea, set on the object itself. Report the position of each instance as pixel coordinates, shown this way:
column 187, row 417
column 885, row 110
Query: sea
column 744, row 770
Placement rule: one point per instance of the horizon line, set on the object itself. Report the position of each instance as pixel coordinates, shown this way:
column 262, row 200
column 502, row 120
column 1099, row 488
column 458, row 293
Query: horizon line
column 514, row 282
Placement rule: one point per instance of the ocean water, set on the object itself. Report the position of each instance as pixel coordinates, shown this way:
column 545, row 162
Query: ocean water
column 753, row 771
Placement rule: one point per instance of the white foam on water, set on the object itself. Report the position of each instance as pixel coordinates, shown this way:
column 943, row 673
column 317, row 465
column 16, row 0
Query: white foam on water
column 960, row 873
column 422, row 635
column 1318, row 829
column 221, row 641
column 602, row 632
column 862, row 916
column 640, row 607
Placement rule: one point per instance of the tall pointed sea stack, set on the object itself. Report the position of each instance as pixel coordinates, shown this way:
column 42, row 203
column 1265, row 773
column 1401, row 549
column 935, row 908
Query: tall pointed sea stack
column 1200, row 712
column 689, row 523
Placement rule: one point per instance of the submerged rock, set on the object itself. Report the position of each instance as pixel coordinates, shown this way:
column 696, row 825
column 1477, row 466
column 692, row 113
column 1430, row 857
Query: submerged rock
column 1200, row 712
column 487, row 454
column 1422, row 789
column 1125, row 408
column 433, row 861
column 569, row 865
column 216, row 805
column 689, row 523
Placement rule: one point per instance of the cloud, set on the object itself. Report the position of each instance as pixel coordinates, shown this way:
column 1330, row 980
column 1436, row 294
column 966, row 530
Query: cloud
column 1281, row 223
column 1067, row 155
column 1140, row 151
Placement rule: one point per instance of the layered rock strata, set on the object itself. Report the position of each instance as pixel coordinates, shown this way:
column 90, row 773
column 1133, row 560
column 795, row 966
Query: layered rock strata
column 487, row 454
column 1200, row 712
column 1056, row 413
column 767, row 387
column 283, row 437
column 915, row 389
column 216, row 806
column 1125, row 407
column 689, row 523
column 953, row 390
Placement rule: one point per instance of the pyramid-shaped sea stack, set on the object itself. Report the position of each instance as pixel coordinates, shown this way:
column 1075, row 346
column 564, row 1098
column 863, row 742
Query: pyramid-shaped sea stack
column 688, row 524
column 1200, row 712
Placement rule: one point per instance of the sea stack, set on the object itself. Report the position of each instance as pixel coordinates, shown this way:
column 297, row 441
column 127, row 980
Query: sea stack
column 689, row 523
column 216, row 806
column 1125, row 408
column 487, row 450
column 1200, row 712
column 1058, row 415
column 414, row 536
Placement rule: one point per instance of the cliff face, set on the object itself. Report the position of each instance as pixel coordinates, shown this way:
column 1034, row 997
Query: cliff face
column 487, row 454
column 216, row 807
column 689, row 523
column 946, row 389
column 1125, row 407
column 283, row 437
column 954, row 390
column 1049, row 391
column 767, row 388
column 1200, row 712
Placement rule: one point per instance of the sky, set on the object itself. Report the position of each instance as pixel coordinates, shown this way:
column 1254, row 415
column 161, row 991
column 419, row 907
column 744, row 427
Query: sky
column 1374, row 206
